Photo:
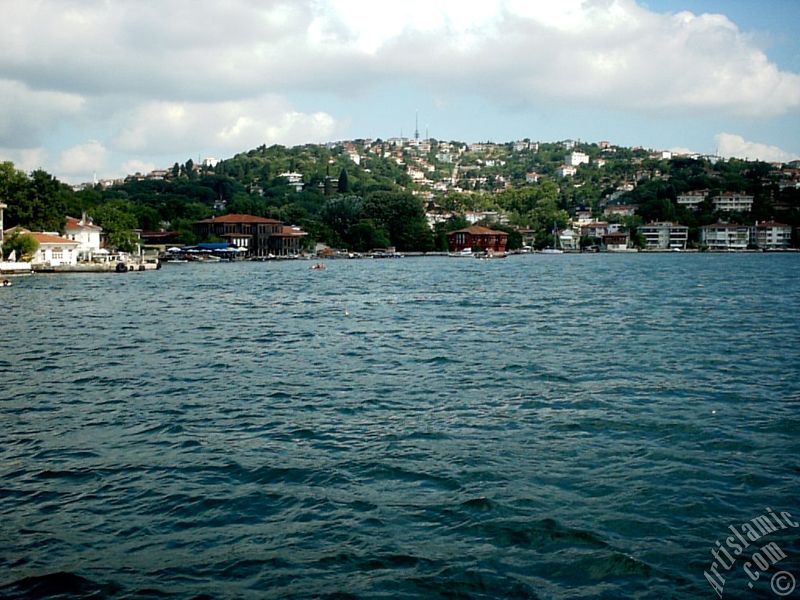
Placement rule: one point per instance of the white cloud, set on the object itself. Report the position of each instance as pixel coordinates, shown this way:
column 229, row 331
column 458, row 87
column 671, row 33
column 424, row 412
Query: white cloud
column 609, row 52
column 156, row 79
column 170, row 127
column 732, row 145
column 86, row 158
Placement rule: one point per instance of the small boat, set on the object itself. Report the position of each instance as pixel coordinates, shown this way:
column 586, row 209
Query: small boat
column 317, row 266
column 465, row 253
column 555, row 249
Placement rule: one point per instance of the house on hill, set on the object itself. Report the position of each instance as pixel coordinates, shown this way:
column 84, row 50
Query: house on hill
column 477, row 237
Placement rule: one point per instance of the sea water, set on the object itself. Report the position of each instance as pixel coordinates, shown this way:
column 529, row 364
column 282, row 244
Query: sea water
column 572, row 426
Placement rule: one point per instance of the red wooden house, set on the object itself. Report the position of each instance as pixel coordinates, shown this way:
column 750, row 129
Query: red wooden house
column 477, row 237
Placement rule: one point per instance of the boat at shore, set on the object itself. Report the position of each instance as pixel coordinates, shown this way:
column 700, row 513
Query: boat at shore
column 465, row 253
column 554, row 249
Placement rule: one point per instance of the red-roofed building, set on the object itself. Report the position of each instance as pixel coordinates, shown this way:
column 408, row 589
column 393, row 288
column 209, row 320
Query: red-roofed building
column 477, row 237
column 86, row 233
column 243, row 231
column 53, row 250
column 288, row 241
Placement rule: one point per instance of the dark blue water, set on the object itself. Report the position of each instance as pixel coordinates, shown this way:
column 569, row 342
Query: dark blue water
column 540, row 427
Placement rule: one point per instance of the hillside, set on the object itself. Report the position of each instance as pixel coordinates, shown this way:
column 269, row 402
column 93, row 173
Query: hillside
column 363, row 194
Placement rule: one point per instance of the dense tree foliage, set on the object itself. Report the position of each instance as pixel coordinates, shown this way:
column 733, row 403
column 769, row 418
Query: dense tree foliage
column 23, row 245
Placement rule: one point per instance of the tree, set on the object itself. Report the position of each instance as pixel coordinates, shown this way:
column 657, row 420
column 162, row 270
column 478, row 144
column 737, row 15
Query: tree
column 403, row 216
column 366, row 235
column 118, row 223
column 341, row 213
column 24, row 245
column 343, row 186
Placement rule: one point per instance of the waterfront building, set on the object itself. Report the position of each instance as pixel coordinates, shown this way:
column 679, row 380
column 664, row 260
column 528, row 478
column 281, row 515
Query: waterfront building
column 664, row 235
column 616, row 242
column 733, row 202
column 53, row 250
column 86, row 233
column 569, row 240
column 769, row 235
column 288, row 241
column 242, row 231
column 725, row 236
column 477, row 237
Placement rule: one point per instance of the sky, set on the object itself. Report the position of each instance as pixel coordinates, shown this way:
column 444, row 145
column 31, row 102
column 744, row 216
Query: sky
column 107, row 88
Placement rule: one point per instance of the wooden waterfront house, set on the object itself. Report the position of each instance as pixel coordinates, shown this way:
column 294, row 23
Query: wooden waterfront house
column 477, row 237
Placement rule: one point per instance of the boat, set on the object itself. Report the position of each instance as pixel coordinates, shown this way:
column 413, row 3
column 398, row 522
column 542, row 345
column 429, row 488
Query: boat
column 555, row 249
column 465, row 253
column 490, row 254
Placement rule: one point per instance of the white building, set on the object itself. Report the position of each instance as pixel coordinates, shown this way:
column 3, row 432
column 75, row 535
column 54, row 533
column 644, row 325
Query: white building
column 54, row 250
column 295, row 180
column 692, row 199
column 733, row 202
column 532, row 177
column 577, row 158
column 567, row 170
column 664, row 235
column 620, row 210
column 86, row 233
column 568, row 239
column 488, row 216
column 769, row 235
column 725, row 236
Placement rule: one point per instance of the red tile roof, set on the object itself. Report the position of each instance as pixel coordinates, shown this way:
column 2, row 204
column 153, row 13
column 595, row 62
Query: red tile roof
column 289, row 231
column 770, row 224
column 478, row 230
column 46, row 238
column 73, row 223
column 239, row 219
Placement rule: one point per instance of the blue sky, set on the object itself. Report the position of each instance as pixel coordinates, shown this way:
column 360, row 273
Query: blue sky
column 109, row 88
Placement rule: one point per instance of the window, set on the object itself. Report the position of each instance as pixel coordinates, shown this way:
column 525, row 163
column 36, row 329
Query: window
column 58, row 254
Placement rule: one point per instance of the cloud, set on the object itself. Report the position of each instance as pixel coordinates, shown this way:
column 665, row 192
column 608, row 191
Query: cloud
column 613, row 53
column 164, row 79
column 85, row 158
column 28, row 115
column 732, row 145
column 170, row 127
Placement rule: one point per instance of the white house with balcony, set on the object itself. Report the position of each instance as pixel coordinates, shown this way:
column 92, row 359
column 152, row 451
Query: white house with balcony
column 725, row 237
column 769, row 235
column 693, row 199
column 294, row 180
column 86, row 233
column 733, row 202
column 664, row 235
